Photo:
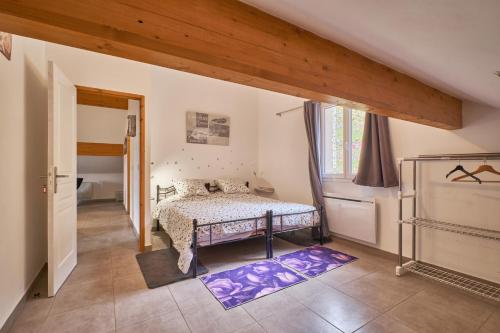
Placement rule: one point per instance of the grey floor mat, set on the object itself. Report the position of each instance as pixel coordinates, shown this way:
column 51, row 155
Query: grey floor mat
column 160, row 267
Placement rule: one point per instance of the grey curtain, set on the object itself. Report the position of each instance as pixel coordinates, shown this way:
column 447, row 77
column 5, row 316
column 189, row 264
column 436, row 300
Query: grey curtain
column 376, row 163
column 312, row 112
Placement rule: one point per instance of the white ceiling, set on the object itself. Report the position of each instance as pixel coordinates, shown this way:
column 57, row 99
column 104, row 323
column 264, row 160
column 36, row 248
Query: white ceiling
column 452, row 45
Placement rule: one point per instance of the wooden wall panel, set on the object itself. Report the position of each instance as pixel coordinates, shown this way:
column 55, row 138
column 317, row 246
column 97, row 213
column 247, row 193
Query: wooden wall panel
column 232, row 41
column 99, row 149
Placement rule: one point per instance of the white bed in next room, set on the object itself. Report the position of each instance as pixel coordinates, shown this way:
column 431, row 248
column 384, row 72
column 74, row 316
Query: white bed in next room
column 248, row 211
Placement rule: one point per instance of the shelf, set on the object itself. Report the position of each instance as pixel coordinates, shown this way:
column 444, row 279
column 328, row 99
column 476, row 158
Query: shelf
column 265, row 190
column 480, row 288
column 454, row 157
column 455, row 228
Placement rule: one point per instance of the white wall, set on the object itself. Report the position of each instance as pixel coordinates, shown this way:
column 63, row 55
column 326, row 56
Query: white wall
column 283, row 149
column 104, row 173
column 283, row 163
column 23, row 137
column 134, row 109
column 175, row 93
column 124, row 180
column 101, row 125
column 104, row 185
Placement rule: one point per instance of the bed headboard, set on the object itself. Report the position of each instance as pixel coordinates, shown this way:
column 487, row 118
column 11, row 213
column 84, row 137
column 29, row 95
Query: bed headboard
column 164, row 192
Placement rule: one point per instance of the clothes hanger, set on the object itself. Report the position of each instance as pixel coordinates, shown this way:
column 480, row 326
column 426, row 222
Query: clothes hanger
column 482, row 168
column 459, row 167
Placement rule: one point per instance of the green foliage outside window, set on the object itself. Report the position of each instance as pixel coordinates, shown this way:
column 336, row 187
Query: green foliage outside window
column 357, row 126
column 339, row 146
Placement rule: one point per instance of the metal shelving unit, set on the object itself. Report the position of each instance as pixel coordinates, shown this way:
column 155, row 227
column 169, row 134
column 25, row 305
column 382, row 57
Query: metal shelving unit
column 482, row 288
column 465, row 283
column 452, row 227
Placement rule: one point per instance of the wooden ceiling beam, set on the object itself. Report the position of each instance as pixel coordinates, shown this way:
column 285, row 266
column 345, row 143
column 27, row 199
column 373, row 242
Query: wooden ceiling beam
column 99, row 97
column 232, row 41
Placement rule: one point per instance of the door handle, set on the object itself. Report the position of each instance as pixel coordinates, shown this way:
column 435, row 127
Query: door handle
column 57, row 176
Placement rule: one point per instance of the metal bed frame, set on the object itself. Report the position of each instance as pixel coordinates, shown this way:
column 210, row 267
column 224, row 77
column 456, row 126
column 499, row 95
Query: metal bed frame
column 267, row 233
column 473, row 285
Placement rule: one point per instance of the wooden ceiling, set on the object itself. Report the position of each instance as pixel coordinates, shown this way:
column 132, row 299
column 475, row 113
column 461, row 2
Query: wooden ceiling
column 232, row 41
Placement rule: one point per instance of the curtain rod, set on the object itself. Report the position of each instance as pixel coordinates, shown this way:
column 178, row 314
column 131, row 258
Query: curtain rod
column 290, row 110
column 455, row 157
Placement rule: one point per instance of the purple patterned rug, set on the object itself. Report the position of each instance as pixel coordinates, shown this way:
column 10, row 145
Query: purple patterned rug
column 315, row 260
column 246, row 283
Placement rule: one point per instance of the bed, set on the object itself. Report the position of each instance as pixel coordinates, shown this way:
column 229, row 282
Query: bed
column 201, row 221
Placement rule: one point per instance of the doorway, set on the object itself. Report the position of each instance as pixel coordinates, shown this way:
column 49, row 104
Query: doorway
column 125, row 153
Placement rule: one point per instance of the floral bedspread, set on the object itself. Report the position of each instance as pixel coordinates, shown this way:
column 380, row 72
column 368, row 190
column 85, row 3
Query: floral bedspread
column 176, row 215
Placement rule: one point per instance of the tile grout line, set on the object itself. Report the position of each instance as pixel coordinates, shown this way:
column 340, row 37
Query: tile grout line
column 379, row 269
column 78, row 307
column 388, row 310
column 344, row 295
column 256, row 321
column 108, row 249
column 355, row 279
column 44, row 321
column 113, row 287
column 484, row 323
column 390, row 307
column 319, row 315
column 51, row 307
column 179, row 309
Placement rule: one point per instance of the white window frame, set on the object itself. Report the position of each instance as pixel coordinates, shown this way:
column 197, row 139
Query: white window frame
column 347, row 175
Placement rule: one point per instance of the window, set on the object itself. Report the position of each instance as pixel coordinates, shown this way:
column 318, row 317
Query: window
column 342, row 132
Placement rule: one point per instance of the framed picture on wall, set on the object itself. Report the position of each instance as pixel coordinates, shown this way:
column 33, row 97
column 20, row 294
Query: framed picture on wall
column 6, row 44
column 125, row 146
column 207, row 128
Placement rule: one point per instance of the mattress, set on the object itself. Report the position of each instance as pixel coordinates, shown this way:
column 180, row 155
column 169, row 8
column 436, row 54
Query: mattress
column 176, row 215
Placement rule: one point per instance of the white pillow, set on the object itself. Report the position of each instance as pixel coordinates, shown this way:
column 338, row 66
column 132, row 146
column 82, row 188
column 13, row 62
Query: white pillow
column 190, row 187
column 228, row 185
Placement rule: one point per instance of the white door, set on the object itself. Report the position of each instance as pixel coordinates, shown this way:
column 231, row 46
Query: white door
column 62, row 247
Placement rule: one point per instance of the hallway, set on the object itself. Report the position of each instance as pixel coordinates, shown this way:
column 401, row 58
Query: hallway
column 107, row 273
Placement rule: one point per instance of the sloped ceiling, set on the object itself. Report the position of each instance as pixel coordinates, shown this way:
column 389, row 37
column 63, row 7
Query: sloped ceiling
column 452, row 45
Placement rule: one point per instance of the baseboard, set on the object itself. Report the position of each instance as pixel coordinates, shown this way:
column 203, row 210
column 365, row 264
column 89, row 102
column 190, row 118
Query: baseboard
column 94, row 201
column 7, row 326
column 370, row 247
column 136, row 234
column 147, row 248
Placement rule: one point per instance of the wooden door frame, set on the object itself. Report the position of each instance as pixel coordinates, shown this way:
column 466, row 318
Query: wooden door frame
column 103, row 95
column 128, row 175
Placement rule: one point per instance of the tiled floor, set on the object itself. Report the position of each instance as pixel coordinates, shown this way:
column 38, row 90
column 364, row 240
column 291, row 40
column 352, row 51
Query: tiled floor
column 107, row 293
